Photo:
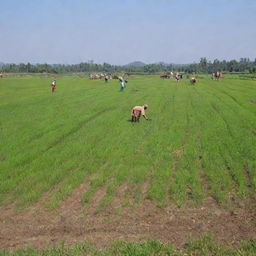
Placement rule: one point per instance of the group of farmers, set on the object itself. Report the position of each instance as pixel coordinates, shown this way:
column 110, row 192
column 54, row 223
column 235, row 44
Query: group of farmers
column 136, row 112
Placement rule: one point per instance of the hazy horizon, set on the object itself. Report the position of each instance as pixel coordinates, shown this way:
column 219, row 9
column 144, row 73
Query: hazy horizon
column 113, row 64
column 115, row 32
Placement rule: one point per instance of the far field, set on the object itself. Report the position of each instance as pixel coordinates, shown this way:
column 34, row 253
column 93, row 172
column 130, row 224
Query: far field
column 78, row 143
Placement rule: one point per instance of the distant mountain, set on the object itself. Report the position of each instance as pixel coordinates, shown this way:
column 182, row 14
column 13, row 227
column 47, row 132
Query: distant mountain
column 136, row 64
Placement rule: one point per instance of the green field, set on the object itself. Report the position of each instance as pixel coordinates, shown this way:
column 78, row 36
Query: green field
column 201, row 140
column 200, row 247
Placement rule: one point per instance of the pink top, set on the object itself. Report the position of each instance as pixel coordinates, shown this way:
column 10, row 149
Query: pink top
column 140, row 108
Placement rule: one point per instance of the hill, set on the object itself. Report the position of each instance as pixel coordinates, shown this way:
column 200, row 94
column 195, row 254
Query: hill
column 136, row 64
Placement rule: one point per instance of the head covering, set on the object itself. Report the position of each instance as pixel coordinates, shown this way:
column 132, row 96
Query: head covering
column 145, row 105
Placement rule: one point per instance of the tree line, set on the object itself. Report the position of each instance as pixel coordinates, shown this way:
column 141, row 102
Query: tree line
column 203, row 66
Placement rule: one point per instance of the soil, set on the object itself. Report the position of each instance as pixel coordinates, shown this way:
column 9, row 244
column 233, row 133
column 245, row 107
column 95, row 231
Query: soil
column 38, row 226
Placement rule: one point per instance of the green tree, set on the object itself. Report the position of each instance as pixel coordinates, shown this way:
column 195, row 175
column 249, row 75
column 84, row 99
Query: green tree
column 203, row 65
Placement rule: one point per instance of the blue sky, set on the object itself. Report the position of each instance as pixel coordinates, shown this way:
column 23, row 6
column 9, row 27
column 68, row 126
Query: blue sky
column 122, row 31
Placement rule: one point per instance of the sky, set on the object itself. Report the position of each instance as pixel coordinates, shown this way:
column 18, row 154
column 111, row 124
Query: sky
column 122, row 31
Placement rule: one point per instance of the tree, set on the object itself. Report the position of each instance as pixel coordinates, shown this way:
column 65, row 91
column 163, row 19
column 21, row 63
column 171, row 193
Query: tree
column 233, row 66
column 28, row 68
column 216, row 66
column 203, row 65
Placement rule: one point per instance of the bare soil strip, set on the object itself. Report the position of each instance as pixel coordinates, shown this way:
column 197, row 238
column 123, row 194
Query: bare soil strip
column 71, row 222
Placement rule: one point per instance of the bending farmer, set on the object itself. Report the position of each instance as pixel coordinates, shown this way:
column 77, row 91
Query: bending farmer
column 137, row 111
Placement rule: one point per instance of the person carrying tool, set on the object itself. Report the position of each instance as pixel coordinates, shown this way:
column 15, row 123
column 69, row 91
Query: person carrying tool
column 122, row 83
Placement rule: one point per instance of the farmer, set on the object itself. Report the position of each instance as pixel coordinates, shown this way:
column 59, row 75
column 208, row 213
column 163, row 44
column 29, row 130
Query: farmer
column 216, row 75
column 53, row 85
column 193, row 80
column 177, row 77
column 137, row 111
column 122, row 83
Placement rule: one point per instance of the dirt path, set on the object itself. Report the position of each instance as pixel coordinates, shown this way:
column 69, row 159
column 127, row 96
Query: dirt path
column 38, row 227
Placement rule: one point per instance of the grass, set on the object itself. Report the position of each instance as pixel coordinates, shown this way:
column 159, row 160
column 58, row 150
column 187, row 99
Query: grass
column 200, row 247
column 200, row 141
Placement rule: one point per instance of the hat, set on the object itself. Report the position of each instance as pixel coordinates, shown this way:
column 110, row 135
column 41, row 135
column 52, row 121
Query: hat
column 145, row 106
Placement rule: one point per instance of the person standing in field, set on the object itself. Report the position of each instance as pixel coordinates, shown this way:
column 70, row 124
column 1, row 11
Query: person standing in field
column 53, row 85
column 137, row 111
column 177, row 77
column 122, row 83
